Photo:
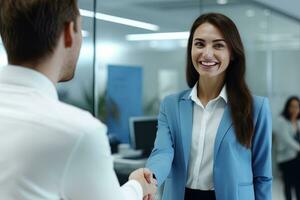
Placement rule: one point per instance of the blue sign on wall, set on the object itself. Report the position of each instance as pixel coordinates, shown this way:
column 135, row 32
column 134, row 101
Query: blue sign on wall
column 123, row 98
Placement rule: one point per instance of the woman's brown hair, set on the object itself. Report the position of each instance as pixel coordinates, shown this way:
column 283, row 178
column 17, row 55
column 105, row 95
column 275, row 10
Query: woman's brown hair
column 239, row 97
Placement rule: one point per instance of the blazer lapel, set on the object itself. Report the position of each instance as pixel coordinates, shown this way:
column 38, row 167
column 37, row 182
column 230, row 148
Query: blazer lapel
column 186, row 123
column 225, row 124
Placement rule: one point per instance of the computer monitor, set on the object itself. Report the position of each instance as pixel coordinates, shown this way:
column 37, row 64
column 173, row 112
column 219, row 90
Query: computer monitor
column 143, row 133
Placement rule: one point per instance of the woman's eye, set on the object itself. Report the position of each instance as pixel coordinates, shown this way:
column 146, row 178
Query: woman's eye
column 219, row 46
column 199, row 44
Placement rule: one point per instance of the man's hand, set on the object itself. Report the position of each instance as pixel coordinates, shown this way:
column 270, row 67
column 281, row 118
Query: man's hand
column 145, row 177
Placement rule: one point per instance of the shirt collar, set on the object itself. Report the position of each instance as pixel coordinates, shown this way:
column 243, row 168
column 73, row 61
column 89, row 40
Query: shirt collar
column 193, row 95
column 223, row 94
column 23, row 76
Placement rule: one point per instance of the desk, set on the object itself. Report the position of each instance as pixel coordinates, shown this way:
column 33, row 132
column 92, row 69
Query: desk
column 124, row 167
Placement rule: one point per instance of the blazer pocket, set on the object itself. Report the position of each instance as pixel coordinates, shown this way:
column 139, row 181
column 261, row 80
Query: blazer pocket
column 246, row 191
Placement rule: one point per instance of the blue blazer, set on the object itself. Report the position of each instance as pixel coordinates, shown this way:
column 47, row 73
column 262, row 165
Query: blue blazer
column 238, row 173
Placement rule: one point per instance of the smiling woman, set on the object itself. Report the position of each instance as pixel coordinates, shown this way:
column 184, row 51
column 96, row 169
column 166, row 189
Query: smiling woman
column 206, row 135
column 210, row 52
column 215, row 37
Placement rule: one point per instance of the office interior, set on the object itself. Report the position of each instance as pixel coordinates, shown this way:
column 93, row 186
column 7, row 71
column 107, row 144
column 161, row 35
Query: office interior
column 118, row 32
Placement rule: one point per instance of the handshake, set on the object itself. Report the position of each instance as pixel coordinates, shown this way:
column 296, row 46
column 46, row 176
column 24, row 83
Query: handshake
column 145, row 177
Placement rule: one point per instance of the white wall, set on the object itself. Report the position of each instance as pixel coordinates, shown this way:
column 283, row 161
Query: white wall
column 286, row 73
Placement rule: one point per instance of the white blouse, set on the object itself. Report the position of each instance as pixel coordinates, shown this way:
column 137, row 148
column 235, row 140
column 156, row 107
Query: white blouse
column 206, row 121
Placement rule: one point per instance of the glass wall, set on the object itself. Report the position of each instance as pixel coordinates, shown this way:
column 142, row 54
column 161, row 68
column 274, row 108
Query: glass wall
column 123, row 38
column 271, row 42
column 80, row 90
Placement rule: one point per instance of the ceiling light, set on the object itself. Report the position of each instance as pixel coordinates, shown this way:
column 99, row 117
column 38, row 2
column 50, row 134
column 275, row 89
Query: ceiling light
column 85, row 33
column 108, row 50
column 86, row 13
column 166, row 45
column 120, row 20
column 158, row 36
column 222, row 2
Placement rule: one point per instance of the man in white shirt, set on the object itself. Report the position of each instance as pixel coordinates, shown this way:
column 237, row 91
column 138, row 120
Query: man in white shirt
column 50, row 150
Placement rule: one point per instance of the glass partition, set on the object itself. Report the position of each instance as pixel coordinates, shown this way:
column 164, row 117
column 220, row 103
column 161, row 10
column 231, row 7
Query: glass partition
column 271, row 40
column 124, row 37
column 80, row 90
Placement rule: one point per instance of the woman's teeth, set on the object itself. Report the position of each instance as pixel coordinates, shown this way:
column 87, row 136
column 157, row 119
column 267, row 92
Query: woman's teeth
column 208, row 63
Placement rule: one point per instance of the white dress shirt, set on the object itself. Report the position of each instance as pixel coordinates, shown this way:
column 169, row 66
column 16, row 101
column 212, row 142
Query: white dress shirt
column 50, row 150
column 206, row 120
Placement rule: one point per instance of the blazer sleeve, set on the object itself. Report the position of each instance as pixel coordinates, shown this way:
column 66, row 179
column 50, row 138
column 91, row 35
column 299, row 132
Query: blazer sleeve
column 261, row 151
column 160, row 160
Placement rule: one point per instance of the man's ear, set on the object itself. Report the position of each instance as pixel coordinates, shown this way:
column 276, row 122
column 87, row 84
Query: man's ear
column 69, row 34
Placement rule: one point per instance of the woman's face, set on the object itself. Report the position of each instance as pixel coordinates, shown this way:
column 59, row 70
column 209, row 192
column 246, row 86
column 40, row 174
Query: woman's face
column 294, row 108
column 210, row 53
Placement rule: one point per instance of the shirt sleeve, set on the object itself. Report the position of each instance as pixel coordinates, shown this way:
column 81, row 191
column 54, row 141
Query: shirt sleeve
column 132, row 189
column 89, row 172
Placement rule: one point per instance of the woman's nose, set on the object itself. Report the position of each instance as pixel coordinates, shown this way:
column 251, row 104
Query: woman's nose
column 208, row 52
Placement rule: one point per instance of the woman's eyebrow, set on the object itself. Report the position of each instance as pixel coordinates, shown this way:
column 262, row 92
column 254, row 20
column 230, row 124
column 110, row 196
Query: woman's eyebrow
column 216, row 40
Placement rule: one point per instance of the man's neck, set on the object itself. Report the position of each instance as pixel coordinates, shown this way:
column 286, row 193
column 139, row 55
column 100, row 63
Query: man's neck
column 47, row 67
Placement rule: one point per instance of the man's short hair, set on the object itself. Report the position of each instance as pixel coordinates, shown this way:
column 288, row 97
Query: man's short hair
column 30, row 29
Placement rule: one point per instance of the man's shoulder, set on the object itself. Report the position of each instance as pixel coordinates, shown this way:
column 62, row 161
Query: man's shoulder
column 75, row 119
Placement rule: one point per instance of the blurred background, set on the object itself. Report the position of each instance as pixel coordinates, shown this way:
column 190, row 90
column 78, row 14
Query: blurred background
column 133, row 55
